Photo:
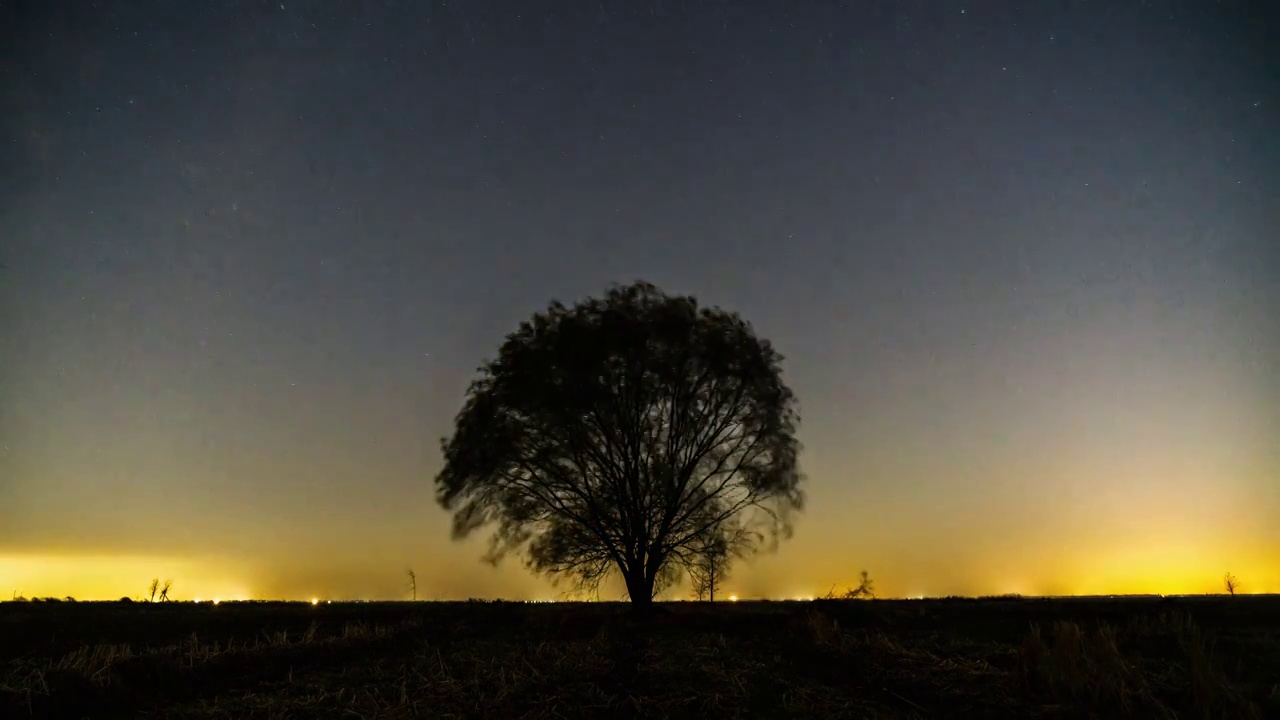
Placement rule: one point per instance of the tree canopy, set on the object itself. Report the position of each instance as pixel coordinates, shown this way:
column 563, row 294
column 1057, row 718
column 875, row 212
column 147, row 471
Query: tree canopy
column 613, row 435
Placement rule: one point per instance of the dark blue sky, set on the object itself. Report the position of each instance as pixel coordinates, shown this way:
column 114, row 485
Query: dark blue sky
column 1021, row 257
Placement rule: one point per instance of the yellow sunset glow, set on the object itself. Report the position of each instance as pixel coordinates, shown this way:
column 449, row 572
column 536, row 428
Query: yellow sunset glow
column 110, row 577
column 1162, row 566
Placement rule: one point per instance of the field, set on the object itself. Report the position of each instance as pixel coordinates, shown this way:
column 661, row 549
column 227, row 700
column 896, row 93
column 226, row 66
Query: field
column 989, row 658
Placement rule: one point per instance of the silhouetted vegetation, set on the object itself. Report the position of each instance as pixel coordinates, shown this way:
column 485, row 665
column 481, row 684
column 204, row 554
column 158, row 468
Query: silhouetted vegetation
column 1206, row 657
column 707, row 567
column 707, row 558
column 1231, row 583
column 865, row 590
column 612, row 435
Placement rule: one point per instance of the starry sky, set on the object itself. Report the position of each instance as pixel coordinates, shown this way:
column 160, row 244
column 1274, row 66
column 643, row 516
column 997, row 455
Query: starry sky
column 1022, row 259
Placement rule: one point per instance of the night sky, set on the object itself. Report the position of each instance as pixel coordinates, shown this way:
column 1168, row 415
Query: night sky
column 1022, row 259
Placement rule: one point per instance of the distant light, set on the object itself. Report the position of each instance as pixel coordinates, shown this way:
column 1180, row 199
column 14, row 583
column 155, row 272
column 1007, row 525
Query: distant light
column 328, row 602
column 216, row 601
column 733, row 598
column 314, row 601
column 197, row 600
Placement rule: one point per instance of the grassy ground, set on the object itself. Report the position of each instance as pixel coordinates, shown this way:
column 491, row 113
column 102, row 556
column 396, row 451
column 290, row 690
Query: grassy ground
column 994, row 658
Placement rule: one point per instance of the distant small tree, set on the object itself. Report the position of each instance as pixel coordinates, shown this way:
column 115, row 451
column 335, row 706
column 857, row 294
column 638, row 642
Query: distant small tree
column 413, row 583
column 164, row 590
column 1231, row 583
column 707, row 559
column 866, row 589
column 151, row 589
column 707, row 567
column 866, row 586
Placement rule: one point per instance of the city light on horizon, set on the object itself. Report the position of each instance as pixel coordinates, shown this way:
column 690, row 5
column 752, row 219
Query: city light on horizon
column 97, row 577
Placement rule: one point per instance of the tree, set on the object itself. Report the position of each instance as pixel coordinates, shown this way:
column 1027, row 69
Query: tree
column 413, row 583
column 1231, row 582
column 866, row 590
column 155, row 583
column 706, row 567
column 866, row 587
column 611, row 435
column 708, row 557
column 164, row 590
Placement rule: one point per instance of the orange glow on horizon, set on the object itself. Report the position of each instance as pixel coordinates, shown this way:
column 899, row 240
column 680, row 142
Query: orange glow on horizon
column 111, row 577
column 1164, row 566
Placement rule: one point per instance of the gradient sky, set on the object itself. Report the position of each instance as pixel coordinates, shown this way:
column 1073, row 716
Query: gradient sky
column 1022, row 258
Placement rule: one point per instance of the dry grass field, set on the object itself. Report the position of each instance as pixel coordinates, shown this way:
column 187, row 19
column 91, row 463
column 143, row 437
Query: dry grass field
column 987, row 658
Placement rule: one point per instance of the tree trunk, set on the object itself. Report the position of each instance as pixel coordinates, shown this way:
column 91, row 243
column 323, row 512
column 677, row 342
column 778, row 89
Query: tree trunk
column 639, row 589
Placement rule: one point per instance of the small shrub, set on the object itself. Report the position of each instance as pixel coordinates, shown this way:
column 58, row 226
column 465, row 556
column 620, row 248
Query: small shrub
column 1231, row 583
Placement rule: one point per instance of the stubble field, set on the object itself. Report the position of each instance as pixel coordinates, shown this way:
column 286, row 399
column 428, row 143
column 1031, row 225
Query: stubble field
column 989, row 658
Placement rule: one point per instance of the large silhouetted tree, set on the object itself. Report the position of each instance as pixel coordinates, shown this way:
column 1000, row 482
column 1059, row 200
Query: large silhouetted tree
column 611, row 435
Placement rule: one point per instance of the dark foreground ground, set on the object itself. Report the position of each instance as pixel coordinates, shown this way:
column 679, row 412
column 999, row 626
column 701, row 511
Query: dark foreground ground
column 996, row 658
